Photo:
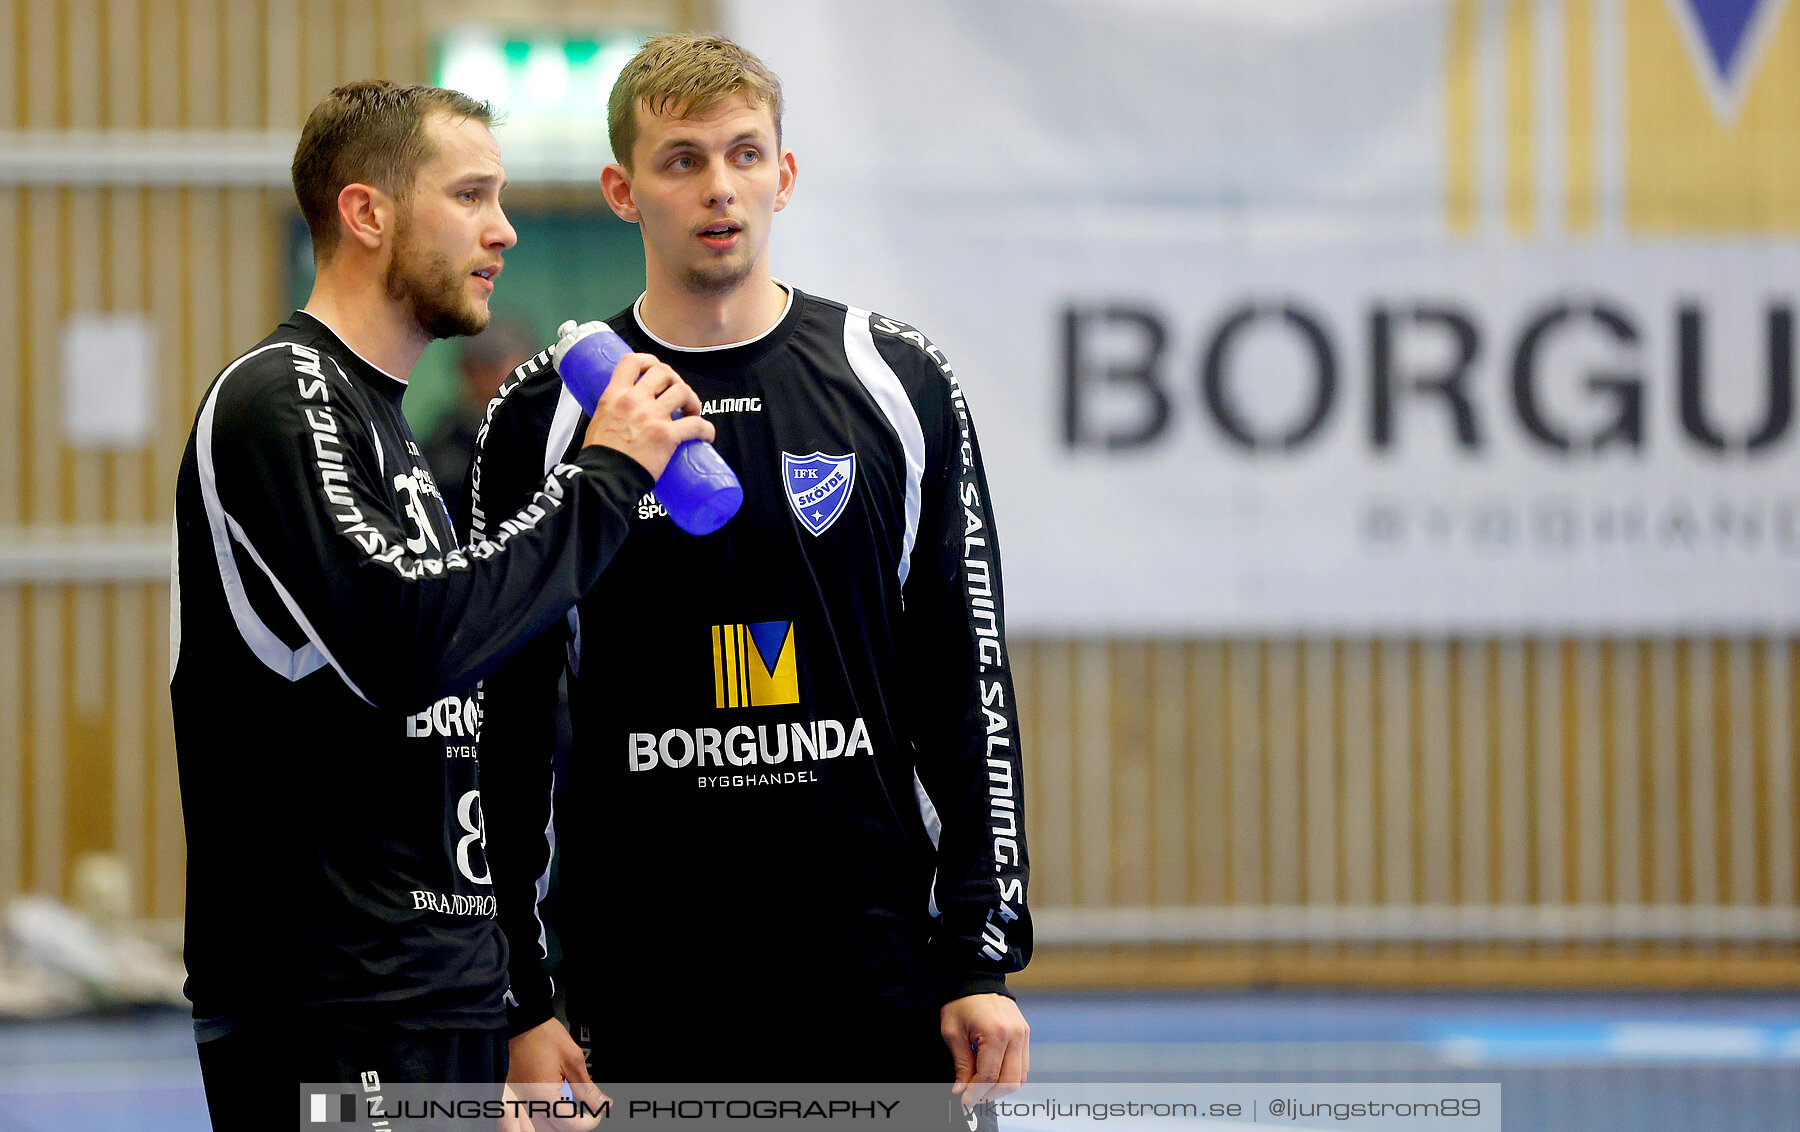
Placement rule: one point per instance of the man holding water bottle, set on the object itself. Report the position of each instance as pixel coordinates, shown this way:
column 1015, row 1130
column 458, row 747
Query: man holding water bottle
column 328, row 630
column 791, row 837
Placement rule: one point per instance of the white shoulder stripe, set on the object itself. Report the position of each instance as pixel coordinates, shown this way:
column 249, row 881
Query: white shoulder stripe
column 292, row 664
column 562, row 429
column 884, row 386
column 314, row 645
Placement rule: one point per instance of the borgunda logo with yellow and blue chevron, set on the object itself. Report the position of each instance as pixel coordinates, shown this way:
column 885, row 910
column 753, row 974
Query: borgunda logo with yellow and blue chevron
column 754, row 665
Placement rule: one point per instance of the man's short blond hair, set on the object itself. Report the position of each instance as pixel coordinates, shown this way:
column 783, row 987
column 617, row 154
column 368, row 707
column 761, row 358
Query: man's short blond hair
column 681, row 74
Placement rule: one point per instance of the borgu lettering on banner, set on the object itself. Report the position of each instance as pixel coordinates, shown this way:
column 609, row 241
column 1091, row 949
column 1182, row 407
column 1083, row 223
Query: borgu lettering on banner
column 1425, row 454
column 1285, row 318
column 1451, row 385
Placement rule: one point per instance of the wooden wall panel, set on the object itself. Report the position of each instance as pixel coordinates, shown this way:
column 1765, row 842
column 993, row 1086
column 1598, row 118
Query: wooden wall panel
column 87, row 752
column 1394, row 770
column 86, row 793
column 204, row 271
column 178, row 396
column 1170, row 784
column 1446, row 778
column 403, row 46
column 1585, row 817
column 316, row 46
column 41, row 221
column 1545, row 725
column 1132, row 867
column 15, row 421
column 1742, row 832
column 1624, row 763
column 1511, row 727
column 1089, row 723
column 40, row 52
column 202, row 72
column 1477, row 757
column 1700, row 790
column 13, row 747
column 1284, row 809
column 283, row 95
column 164, row 62
column 1242, row 784
column 167, row 849
column 1359, row 858
column 1437, row 755
column 123, row 54
column 1781, row 799
column 1319, row 786
column 246, row 251
column 131, row 685
column 81, row 43
column 1663, row 847
column 46, row 751
column 14, row 805
column 12, row 26
column 241, row 37
column 130, row 473
column 355, row 56
column 1041, row 675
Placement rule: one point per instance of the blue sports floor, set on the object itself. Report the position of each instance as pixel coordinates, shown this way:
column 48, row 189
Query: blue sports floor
column 1603, row 1063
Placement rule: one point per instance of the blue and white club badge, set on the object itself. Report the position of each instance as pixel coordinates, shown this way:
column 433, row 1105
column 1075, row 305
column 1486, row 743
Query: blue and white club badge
column 818, row 486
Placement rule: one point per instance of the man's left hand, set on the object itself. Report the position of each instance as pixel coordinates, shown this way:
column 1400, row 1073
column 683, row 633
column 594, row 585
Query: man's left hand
column 991, row 1044
column 542, row 1059
column 512, row 1120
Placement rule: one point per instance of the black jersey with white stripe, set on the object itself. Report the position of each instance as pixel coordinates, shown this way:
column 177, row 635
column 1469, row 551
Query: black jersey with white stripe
column 327, row 637
column 795, row 762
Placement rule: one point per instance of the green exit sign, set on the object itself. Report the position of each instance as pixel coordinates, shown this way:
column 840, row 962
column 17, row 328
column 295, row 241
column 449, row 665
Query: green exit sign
column 552, row 89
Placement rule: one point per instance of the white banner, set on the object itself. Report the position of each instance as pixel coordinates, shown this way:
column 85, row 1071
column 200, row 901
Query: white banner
column 1398, row 316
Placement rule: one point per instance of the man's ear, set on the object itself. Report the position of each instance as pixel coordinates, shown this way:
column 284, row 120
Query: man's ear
column 615, row 182
column 367, row 213
column 790, row 172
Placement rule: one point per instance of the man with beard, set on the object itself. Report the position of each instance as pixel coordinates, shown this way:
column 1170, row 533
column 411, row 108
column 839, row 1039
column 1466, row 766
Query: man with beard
column 328, row 631
column 798, row 857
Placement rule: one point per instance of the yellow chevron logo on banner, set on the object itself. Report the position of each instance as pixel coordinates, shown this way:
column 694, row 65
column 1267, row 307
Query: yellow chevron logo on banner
column 1639, row 117
column 754, row 665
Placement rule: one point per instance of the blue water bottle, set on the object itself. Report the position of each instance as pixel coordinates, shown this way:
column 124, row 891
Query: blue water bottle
column 698, row 488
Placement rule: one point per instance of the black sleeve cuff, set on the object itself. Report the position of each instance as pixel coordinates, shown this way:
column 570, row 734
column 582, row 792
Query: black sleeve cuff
column 525, row 1017
column 613, row 465
column 966, row 983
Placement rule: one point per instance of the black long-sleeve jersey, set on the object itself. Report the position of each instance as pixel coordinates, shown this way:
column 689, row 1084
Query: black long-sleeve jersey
column 327, row 635
column 795, row 766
